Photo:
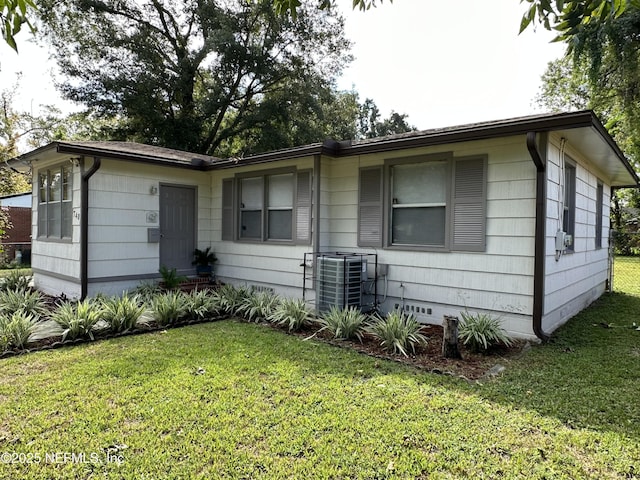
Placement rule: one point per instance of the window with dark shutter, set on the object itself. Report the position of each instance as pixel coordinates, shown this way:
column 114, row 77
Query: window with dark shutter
column 469, row 204
column 303, row 207
column 370, row 221
column 227, row 209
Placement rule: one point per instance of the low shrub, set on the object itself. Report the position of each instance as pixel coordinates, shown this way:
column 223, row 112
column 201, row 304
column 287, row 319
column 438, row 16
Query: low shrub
column 15, row 329
column 481, row 331
column 202, row 304
column 30, row 301
column 170, row 277
column 78, row 320
column 15, row 280
column 258, row 306
column 344, row 323
column 146, row 291
column 292, row 313
column 232, row 297
column 398, row 332
column 122, row 314
column 169, row 308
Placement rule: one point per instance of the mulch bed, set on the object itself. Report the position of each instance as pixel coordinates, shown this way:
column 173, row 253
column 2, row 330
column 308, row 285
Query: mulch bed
column 473, row 366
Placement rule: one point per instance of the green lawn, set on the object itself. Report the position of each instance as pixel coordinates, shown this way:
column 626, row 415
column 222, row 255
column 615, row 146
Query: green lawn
column 626, row 275
column 237, row 400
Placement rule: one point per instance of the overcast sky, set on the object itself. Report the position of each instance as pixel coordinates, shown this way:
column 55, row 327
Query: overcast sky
column 442, row 63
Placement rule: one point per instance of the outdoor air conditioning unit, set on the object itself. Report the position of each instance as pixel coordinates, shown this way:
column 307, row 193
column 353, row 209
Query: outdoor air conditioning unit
column 339, row 281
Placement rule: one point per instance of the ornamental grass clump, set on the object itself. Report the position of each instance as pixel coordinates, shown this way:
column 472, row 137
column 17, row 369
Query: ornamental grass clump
column 343, row 323
column 202, row 304
column 15, row 329
column 78, row 320
column 15, row 280
column 291, row 313
column 29, row 301
column 481, row 331
column 231, row 298
column 169, row 308
column 398, row 332
column 122, row 314
column 258, row 306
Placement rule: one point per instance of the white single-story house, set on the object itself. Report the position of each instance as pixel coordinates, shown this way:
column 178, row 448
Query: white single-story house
column 506, row 217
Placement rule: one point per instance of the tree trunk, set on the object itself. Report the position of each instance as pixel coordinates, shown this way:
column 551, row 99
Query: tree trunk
column 450, row 338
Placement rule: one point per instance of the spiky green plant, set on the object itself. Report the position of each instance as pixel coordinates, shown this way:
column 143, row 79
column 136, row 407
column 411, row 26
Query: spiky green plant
column 291, row 313
column 122, row 314
column 231, row 297
column 481, row 331
column 15, row 329
column 29, row 301
column 4, row 340
column 343, row 323
column 147, row 290
column 257, row 306
column 202, row 304
column 170, row 277
column 398, row 332
column 78, row 320
column 169, row 308
column 16, row 280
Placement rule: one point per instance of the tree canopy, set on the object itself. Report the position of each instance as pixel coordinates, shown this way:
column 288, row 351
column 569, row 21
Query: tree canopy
column 284, row 7
column 191, row 74
column 570, row 17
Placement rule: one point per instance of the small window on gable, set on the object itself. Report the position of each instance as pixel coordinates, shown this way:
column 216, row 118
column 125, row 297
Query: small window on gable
column 55, row 187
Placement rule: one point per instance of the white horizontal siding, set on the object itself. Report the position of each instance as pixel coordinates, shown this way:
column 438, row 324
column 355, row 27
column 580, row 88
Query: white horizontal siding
column 576, row 278
column 272, row 264
column 499, row 279
column 122, row 208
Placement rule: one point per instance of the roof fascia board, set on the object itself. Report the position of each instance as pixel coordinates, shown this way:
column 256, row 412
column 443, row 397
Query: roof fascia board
column 327, row 148
column 476, row 132
column 115, row 155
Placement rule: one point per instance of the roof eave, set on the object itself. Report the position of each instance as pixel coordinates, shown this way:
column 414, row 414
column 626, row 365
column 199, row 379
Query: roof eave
column 75, row 149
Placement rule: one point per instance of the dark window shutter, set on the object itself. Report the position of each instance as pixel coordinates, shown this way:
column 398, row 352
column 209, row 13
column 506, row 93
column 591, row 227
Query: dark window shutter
column 227, row 209
column 370, row 207
column 469, row 204
column 303, row 207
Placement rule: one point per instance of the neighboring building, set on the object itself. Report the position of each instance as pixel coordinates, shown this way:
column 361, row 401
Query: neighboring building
column 459, row 218
column 16, row 242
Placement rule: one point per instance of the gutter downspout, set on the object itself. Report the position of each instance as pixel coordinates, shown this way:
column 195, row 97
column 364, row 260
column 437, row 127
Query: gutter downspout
column 540, row 233
column 84, row 223
column 315, row 225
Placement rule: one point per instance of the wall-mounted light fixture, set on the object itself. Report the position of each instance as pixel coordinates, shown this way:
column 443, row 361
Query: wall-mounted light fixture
column 153, row 190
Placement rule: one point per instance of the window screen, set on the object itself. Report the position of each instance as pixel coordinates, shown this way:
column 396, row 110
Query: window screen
column 418, row 210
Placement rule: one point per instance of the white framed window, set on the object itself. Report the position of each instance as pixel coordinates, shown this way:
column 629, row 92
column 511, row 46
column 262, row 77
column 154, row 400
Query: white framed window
column 55, row 197
column 270, row 206
column 419, row 203
column 429, row 202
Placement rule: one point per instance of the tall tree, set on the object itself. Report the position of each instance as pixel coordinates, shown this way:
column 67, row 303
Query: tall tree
column 191, row 74
column 371, row 126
